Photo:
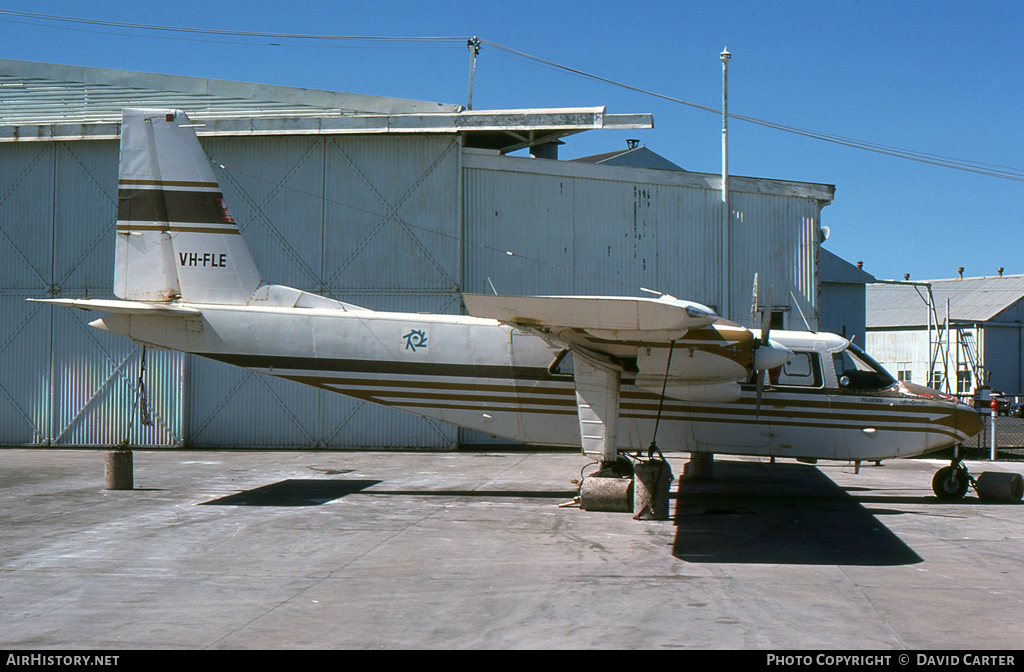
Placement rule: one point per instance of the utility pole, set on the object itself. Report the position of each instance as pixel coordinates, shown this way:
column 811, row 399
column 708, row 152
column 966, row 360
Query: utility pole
column 474, row 50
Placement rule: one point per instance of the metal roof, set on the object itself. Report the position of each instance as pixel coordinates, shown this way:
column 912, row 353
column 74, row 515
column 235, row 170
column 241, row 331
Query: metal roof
column 832, row 268
column 970, row 300
column 823, row 193
column 637, row 157
column 45, row 101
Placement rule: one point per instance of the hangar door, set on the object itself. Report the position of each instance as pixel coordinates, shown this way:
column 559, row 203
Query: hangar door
column 369, row 220
column 61, row 382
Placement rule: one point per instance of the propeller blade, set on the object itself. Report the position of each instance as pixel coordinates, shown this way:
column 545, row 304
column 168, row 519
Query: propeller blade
column 766, row 317
column 753, row 302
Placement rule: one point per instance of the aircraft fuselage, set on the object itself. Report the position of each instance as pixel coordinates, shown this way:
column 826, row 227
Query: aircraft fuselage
column 497, row 379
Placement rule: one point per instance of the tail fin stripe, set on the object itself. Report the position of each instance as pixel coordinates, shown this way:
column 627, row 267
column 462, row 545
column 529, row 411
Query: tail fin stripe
column 176, row 229
column 159, row 205
column 167, row 183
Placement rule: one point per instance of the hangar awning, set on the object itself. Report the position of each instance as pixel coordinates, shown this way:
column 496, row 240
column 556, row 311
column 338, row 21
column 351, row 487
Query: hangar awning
column 51, row 102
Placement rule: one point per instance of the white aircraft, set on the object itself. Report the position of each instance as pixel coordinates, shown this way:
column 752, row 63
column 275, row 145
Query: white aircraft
column 600, row 373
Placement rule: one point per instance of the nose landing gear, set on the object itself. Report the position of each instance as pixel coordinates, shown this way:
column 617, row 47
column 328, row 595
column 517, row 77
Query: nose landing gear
column 950, row 483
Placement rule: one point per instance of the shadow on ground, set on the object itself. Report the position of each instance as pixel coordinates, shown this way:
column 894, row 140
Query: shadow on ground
column 295, row 492
column 788, row 514
column 316, row 491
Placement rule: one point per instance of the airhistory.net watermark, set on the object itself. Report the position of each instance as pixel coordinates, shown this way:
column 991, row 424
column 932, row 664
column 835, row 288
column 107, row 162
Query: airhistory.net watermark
column 53, row 660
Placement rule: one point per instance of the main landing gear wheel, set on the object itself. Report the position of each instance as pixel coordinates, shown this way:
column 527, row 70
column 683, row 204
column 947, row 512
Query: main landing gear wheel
column 951, row 483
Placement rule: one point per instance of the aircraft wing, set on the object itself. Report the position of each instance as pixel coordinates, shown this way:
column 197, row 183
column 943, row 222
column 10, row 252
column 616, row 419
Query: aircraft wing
column 634, row 336
column 617, row 317
column 115, row 306
column 625, row 340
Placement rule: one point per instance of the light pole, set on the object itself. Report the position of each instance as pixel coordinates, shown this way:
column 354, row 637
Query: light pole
column 726, row 216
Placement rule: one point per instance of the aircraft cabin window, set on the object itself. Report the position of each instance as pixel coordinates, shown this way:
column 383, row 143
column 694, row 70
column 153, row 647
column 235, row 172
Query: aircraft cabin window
column 856, row 370
column 803, row 370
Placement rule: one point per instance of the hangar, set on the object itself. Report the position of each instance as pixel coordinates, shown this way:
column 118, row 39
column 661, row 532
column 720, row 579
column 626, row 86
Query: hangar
column 952, row 334
column 387, row 203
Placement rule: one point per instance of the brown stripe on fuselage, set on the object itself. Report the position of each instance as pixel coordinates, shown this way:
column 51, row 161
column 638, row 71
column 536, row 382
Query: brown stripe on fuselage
column 502, row 372
column 438, row 385
column 816, row 408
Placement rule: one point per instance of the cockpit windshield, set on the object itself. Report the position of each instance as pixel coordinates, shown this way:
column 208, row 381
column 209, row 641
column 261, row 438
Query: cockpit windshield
column 856, row 370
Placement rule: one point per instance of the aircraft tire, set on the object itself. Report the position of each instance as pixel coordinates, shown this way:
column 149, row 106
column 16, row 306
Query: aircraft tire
column 950, row 484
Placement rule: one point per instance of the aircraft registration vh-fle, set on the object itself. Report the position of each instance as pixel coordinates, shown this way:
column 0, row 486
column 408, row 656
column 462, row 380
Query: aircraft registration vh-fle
column 604, row 374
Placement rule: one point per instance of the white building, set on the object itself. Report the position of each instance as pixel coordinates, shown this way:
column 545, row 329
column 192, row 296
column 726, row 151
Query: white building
column 907, row 332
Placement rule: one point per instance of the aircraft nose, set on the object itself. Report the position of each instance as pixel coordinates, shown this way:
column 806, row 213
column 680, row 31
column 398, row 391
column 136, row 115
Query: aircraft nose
column 968, row 421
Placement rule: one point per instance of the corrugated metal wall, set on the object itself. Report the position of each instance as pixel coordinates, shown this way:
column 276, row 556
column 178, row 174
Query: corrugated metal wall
column 26, row 215
column 372, row 221
column 61, row 382
column 368, row 220
column 572, row 234
column 391, row 223
column 776, row 237
column 584, row 229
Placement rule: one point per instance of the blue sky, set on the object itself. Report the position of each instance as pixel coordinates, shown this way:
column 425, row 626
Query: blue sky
column 937, row 77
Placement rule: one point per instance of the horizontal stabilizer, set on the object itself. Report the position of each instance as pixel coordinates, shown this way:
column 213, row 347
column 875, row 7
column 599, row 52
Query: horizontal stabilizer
column 112, row 306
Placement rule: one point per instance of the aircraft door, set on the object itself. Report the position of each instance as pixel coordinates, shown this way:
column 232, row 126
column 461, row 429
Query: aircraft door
column 865, row 408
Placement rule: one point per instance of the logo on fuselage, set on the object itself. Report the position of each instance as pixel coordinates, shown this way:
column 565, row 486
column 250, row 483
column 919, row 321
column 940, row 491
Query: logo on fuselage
column 415, row 339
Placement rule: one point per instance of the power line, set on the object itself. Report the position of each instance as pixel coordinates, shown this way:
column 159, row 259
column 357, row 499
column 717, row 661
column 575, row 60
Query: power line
column 216, row 31
column 213, row 40
column 1005, row 172
column 990, row 170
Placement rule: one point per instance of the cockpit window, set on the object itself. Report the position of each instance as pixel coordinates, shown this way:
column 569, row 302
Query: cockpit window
column 856, row 370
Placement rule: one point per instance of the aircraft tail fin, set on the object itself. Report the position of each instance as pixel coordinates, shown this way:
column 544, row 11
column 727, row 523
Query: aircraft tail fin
column 175, row 236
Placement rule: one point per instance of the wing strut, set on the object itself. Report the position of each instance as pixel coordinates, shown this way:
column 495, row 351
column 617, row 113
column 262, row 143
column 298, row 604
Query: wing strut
column 597, row 401
column 661, row 402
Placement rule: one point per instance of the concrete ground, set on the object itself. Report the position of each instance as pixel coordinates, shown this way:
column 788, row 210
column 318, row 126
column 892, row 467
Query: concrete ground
column 242, row 550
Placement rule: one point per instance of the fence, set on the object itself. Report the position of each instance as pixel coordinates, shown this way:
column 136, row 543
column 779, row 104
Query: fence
column 1009, row 432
